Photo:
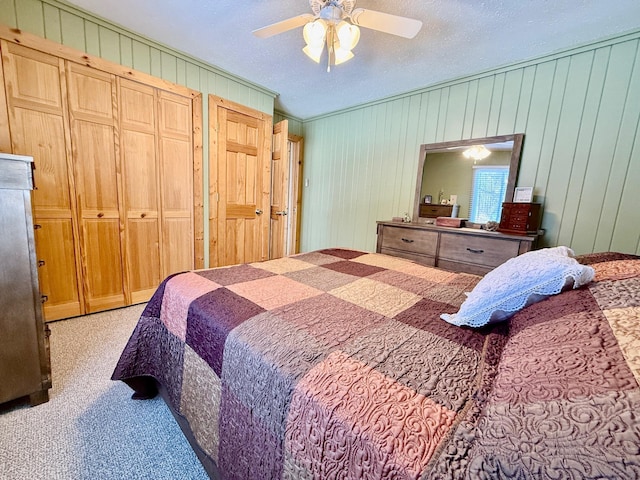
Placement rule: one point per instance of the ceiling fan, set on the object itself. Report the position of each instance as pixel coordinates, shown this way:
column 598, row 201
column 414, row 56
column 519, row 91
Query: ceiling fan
column 336, row 22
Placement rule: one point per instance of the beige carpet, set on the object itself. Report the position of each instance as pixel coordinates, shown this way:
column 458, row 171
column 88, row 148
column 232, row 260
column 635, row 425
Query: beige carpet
column 90, row 428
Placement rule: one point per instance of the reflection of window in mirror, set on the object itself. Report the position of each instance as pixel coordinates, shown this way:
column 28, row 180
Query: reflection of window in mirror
column 487, row 193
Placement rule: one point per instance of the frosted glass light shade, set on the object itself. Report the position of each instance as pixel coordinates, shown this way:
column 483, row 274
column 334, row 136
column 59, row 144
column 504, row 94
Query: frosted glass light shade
column 314, row 33
column 348, row 35
column 314, row 53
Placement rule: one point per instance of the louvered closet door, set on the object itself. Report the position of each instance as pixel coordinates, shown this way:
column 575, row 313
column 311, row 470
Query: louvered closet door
column 176, row 182
column 91, row 107
column 140, row 178
column 36, row 98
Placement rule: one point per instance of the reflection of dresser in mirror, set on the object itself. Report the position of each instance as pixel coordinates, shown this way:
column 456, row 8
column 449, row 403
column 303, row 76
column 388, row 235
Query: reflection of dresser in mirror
column 433, row 210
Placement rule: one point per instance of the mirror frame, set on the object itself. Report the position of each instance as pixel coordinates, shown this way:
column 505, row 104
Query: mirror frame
column 517, row 138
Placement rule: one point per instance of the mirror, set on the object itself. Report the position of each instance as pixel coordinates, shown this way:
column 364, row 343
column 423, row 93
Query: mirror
column 448, row 172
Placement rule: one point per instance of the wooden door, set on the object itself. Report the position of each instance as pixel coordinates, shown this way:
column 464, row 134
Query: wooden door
column 296, row 148
column 240, row 165
column 36, row 100
column 96, row 166
column 140, row 176
column 279, row 233
column 176, row 182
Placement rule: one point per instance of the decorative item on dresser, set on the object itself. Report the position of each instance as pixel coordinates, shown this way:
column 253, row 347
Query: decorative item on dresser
column 456, row 249
column 520, row 218
column 25, row 369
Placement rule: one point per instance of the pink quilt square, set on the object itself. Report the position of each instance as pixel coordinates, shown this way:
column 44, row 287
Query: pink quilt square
column 179, row 292
column 274, row 292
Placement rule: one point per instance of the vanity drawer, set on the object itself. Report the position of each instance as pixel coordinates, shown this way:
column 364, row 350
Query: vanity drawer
column 410, row 240
column 485, row 251
column 431, row 210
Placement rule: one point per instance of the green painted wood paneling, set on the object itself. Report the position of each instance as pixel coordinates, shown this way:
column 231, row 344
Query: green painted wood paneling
column 52, row 26
column 74, row 33
column 579, row 111
column 8, row 13
column 30, row 16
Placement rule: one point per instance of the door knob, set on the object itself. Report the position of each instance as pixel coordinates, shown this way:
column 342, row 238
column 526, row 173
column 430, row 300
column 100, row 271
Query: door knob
column 258, row 211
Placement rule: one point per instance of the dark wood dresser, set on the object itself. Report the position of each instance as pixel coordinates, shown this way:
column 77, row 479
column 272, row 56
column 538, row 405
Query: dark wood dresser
column 520, row 218
column 457, row 249
column 25, row 369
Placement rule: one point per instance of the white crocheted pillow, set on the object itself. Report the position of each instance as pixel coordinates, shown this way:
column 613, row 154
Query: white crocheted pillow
column 519, row 282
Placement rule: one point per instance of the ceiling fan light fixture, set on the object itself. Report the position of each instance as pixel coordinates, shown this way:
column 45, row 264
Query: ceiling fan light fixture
column 314, row 53
column 476, row 152
column 342, row 55
column 348, row 35
column 314, row 33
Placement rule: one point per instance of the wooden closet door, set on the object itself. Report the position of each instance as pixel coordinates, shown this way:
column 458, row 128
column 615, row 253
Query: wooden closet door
column 91, row 107
column 36, row 100
column 176, row 182
column 140, row 180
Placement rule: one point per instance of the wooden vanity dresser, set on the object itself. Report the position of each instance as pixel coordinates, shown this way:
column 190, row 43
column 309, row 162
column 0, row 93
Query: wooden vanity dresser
column 467, row 250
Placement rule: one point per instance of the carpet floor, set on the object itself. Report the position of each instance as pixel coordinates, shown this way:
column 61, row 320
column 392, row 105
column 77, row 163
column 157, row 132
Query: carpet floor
column 90, row 428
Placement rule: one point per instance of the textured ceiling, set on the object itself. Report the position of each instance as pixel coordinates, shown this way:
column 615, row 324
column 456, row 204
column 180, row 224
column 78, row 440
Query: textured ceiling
column 458, row 37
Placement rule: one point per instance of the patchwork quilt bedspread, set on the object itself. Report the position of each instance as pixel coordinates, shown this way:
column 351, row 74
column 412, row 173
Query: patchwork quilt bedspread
column 335, row 364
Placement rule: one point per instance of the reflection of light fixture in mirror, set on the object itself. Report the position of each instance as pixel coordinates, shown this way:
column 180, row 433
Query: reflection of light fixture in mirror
column 477, row 152
column 340, row 38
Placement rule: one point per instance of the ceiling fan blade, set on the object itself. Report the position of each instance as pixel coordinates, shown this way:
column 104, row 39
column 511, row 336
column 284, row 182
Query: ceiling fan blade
column 385, row 22
column 283, row 26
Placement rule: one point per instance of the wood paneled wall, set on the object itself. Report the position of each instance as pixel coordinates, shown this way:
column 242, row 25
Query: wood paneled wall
column 76, row 28
column 579, row 111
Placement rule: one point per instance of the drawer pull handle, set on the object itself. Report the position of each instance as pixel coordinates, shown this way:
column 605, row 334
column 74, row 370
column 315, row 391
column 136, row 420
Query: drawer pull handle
column 475, row 250
column 407, row 240
column 100, row 215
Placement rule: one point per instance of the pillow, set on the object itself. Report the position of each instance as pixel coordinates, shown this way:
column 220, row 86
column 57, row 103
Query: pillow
column 519, row 282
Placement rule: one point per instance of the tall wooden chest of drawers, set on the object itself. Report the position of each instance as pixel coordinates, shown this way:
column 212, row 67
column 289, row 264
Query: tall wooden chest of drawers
column 25, row 369
column 520, row 218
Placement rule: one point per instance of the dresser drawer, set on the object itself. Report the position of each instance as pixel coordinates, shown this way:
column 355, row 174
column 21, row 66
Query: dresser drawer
column 434, row 210
column 486, row 251
column 410, row 240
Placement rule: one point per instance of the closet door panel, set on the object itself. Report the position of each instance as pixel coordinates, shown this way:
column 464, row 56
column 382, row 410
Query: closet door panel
column 96, row 185
column 91, row 109
column 144, row 263
column 141, row 196
column 39, row 128
column 103, row 275
column 33, row 78
column 176, row 180
column 41, row 135
column 57, row 267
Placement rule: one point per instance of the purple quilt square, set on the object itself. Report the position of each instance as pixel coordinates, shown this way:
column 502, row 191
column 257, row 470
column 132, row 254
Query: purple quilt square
column 342, row 253
column 247, row 448
column 425, row 315
column 236, row 274
column 211, row 317
column 353, row 268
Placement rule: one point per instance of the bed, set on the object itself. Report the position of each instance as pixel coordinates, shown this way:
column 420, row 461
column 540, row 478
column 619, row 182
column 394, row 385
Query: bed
column 338, row 364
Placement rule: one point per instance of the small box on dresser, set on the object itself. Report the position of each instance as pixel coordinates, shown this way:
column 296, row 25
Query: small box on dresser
column 520, row 218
